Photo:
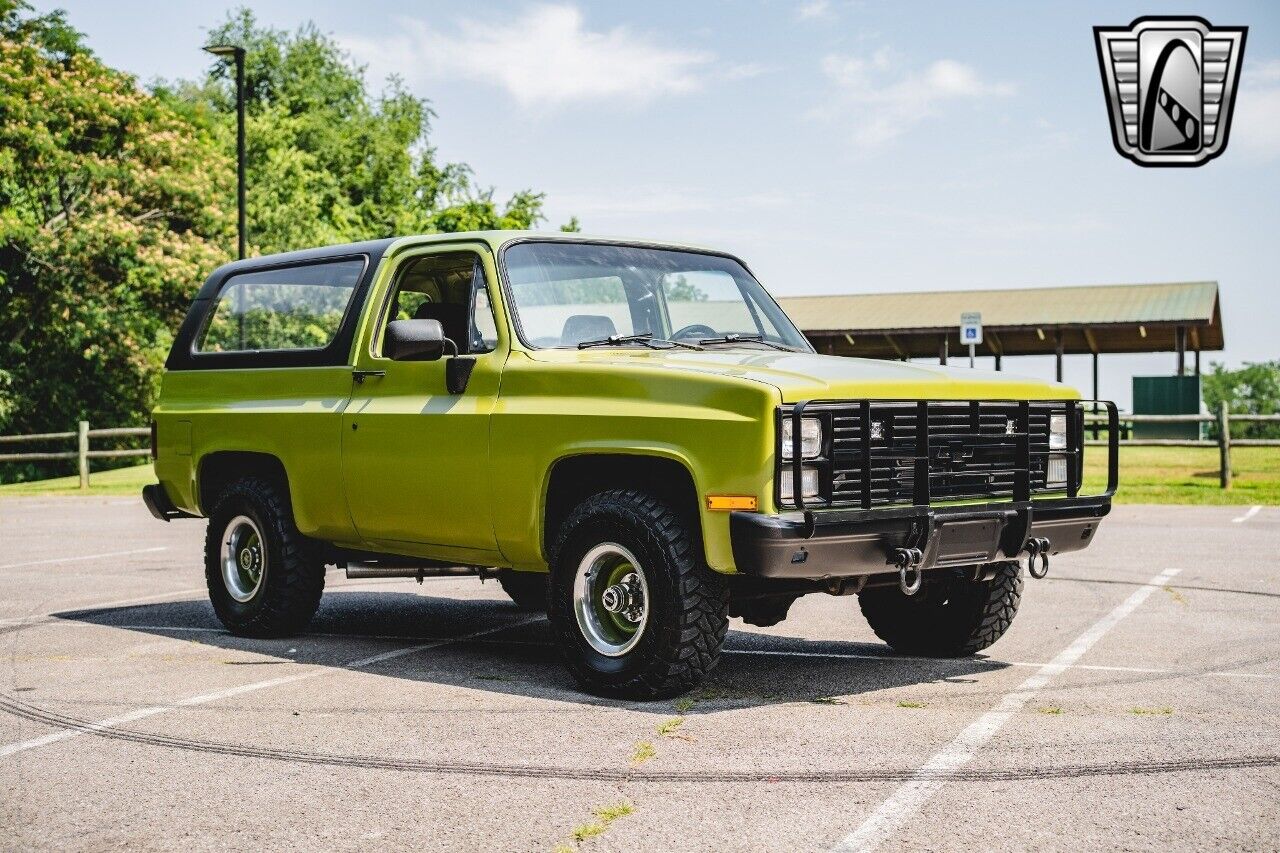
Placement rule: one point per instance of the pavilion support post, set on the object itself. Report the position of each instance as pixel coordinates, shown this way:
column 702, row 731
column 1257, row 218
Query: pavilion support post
column 1180, row 342
column 1095, row 380
column 1197, row 362
column 1057, row 347
column 942, row 350
column 998, row 359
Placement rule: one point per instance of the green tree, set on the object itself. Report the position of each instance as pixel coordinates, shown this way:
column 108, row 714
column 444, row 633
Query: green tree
column 1251, row 390
column 117, row 202
column 109, row 216
column 328, row 162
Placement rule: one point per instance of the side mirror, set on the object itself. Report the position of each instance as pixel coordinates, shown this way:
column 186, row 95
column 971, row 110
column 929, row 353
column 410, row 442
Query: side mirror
column 414, row 340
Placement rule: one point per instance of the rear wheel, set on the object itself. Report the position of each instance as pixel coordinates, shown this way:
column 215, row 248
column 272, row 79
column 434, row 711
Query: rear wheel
column 527, row 589
column 637, row 614
column 265, row 578
column 952, row 616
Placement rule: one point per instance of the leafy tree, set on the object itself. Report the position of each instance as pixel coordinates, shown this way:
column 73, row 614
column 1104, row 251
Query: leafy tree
column 109, row 214
column 1252, row 390
column 117, row 202
column 328, row 162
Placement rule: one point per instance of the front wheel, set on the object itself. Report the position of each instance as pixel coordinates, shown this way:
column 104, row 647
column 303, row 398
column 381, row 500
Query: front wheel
column 949, row 617
column 636, row 611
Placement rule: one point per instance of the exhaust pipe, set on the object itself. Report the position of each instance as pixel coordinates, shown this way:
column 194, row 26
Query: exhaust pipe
column 359, row 571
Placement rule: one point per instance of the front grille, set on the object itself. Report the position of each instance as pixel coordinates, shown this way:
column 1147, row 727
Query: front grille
column 882, row 453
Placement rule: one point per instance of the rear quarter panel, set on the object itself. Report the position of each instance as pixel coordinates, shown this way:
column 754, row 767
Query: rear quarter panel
column 290, row 413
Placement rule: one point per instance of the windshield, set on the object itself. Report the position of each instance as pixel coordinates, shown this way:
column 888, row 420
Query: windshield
column 568, row 294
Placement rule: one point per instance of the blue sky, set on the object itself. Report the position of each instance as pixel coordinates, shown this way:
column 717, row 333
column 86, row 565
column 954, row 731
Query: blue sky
column 836, row 146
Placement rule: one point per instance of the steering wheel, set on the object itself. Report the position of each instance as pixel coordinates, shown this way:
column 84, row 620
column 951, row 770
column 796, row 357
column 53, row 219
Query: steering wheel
column 699, row 329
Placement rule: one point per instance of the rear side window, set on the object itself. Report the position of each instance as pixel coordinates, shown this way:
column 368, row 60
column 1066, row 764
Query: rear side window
column 289, row 308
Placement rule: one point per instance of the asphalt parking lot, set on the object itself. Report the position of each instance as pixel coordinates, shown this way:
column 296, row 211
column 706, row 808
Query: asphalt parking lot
column 1133, row 705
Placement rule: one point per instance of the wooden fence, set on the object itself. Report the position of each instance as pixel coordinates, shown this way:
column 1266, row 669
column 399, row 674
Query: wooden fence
column 82, row 453
column 1223, row 419
column 1224, row 442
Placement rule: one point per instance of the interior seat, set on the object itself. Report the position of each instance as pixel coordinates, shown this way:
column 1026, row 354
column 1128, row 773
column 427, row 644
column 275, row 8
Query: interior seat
column 453, row 319
column 586, row 327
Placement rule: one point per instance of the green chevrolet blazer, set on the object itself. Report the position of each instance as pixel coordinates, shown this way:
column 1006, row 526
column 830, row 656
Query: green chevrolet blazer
column 632, row 436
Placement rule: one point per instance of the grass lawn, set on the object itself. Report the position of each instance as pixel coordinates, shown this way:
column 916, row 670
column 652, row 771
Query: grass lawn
column 119, row 481
column 1168, row 475
column 1187, row 475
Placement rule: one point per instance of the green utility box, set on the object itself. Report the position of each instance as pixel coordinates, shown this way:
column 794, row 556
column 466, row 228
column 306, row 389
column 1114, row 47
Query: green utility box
column 1166, row 395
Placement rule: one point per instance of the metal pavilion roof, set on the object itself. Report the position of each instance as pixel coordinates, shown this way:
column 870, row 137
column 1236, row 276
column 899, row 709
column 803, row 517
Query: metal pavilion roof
column 1094, row 319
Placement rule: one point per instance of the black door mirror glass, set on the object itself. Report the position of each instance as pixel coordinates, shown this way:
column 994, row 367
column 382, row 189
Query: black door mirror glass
column 414, row 340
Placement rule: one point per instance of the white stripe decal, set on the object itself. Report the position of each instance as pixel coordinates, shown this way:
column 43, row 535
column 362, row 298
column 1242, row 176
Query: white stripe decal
column 205, row 698
column 903, row 804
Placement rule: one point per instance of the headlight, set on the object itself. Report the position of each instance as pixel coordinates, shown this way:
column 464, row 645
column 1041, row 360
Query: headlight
column 808, row 484
column 810, row 438
column 1058, row 432
column 1056, row 475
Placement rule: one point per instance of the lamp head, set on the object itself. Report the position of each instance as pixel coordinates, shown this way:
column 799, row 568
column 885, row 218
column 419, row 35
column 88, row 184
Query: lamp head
column 225, row 51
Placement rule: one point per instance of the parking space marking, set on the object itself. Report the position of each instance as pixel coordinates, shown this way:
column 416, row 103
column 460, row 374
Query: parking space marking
column 1248, row 515
column 205, row 698
column 902, row 805
column 85, row 557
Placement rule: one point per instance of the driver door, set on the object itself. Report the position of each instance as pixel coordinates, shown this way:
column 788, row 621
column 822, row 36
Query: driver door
column 414, row 456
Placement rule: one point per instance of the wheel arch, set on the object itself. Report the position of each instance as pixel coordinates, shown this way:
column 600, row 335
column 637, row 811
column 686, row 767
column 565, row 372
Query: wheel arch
column 575, row 477
column 221, row 468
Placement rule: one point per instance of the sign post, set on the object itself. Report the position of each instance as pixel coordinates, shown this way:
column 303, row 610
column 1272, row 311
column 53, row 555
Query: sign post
column 971, row 331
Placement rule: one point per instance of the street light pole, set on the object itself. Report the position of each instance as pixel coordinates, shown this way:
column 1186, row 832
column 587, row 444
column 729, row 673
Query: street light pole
column 237, row 54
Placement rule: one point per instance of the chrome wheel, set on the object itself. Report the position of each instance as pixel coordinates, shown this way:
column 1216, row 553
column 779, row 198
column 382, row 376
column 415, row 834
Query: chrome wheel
column 243, row 557
column 611, row 599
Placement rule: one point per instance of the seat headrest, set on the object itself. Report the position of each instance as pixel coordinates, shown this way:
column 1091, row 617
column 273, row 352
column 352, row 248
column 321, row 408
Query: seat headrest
column 586, row 327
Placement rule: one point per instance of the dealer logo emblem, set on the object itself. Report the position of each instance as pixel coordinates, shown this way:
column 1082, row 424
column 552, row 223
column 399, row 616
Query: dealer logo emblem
column 1170, row 85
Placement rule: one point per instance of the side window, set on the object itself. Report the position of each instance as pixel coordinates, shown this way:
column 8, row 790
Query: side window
column 449, row 287
column 291, row 308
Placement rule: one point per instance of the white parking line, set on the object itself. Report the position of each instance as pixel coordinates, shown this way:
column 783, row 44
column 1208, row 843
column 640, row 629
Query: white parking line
column 1254, row 510
column 205, row 698
column 902, row 805
column 85, row 557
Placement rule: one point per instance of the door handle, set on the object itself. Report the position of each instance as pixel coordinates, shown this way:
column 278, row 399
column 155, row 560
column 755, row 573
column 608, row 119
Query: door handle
column 361, row 375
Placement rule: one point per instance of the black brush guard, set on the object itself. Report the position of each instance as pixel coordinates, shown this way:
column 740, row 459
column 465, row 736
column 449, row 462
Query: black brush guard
column 824, row 541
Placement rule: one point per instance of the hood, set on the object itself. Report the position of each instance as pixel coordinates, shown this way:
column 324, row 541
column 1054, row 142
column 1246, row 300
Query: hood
column 809, row 376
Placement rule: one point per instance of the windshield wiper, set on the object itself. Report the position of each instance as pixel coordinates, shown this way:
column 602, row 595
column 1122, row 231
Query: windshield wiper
column 643, row 338
column 733, row 338
column 618, row 340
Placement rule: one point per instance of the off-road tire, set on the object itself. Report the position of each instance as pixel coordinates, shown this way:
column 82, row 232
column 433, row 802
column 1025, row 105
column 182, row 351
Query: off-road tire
column 293, row 576
column 527, row 589
column 949, row 617
column 688, row 602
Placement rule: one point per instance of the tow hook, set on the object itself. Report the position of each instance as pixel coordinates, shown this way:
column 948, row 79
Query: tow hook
column 904, row 559
column 1038, row 547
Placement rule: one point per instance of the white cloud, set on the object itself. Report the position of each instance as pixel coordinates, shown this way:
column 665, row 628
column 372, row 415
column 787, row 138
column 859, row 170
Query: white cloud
column 1256, row 124
column 814, row 10
column 548, row 56
column 887, row 101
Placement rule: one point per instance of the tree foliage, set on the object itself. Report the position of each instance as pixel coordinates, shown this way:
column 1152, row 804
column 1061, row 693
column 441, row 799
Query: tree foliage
column 328, row 162
column 1251, row 390
column 116, row 202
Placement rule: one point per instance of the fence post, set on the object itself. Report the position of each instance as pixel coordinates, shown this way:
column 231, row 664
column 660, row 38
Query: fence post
column 83, row 454
column 1224, row 446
